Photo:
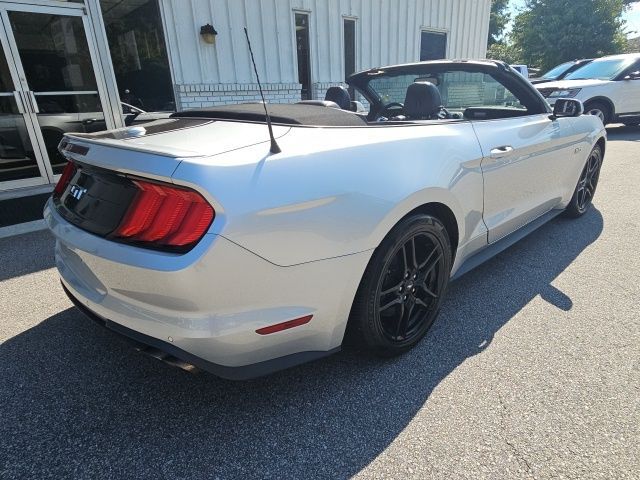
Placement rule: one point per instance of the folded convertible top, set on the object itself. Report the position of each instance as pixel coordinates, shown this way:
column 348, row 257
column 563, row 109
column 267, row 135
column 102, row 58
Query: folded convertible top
column 286, row 114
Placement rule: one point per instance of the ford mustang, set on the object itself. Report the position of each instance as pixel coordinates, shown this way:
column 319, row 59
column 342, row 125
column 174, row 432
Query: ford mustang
column 243, row 244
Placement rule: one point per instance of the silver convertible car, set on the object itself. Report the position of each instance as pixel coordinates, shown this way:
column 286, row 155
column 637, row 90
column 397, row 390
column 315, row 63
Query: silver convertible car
column 217, row 244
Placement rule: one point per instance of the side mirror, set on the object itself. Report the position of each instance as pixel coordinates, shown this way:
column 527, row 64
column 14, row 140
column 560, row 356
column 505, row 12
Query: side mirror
column 357, row 107
column 567, row 107
column 632, row 76
column 129, row 118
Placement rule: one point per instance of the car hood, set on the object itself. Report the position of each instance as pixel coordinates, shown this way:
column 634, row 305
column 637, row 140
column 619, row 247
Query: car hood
column 183, row 137
column 565, row 84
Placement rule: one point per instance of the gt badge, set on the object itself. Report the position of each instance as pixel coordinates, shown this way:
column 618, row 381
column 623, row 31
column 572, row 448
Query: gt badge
column 77, row 192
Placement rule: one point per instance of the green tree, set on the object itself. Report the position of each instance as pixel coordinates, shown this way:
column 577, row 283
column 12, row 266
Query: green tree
column 549, row 32
column 498, row 20
column 505, row 52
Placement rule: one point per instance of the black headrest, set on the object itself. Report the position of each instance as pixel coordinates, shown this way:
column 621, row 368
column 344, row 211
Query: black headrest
column 339, row 95
column 422, row 101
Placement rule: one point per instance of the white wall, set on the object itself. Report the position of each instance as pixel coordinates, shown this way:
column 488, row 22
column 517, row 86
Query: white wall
column 387, row 32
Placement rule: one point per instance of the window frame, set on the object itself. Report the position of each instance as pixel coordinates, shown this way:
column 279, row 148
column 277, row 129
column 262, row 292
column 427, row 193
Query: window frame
column 526, row 93
column 307, row 13
column 436, row 31
column 345, row 19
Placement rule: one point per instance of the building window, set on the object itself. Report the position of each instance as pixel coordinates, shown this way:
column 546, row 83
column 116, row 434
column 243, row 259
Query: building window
column 433, row 45
column 303, row 53
column 349, row 47
column 139, row 54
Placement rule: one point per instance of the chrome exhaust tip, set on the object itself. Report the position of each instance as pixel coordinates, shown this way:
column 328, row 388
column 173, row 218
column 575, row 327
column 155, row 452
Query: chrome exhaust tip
column 166, row 358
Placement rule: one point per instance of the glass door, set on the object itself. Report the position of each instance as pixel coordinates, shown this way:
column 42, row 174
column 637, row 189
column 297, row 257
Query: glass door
column 55, row 61
column 21, row 165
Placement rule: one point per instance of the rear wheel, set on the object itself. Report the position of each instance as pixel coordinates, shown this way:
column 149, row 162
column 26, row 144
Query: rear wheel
column 598, row 109
column 586, row 187
column 402, row 289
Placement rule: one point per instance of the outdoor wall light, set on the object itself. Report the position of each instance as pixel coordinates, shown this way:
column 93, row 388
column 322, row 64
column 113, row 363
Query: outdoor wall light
column 208, row 33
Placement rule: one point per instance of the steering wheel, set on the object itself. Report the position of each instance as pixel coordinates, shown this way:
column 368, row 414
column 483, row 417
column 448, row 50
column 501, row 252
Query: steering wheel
column 384, row 109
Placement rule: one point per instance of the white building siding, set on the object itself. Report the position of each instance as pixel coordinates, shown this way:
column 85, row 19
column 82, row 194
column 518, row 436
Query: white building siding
column 387, row 32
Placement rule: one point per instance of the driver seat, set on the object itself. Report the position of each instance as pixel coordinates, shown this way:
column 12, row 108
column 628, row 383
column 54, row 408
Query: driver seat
column 422, row 102
column 339, row 95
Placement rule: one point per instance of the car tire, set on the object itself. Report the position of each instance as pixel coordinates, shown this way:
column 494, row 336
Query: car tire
column 586, row 187
column 598, row 109
column 402, row 288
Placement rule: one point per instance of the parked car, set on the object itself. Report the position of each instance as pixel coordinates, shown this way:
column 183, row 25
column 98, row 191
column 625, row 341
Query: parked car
column 608, row 87
column 533, row 72
column 215, row 243
column 560, row 71
column 522, row 70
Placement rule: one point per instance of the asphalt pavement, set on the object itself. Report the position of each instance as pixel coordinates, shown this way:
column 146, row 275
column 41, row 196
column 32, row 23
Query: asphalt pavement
column 531, row 371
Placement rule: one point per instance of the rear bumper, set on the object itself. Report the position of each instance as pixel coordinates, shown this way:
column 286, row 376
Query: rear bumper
column 245, row 372
column 205, row 306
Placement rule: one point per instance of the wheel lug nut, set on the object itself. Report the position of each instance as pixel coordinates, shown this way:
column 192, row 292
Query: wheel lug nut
column 415, row 276
column 413, row 290
column 404, row 298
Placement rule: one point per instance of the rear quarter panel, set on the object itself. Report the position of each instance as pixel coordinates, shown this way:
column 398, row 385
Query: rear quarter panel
column 338, row 191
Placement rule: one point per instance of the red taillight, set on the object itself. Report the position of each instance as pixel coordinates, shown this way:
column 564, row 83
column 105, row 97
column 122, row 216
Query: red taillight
column 165, row 215
column 278, row 327
column 65, row 178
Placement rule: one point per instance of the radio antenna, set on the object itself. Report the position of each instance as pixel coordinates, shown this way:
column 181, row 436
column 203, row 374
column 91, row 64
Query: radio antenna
column 274, row 145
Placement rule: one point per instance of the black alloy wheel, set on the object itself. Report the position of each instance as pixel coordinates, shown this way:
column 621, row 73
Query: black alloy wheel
column 586, row 187
column 402, row 290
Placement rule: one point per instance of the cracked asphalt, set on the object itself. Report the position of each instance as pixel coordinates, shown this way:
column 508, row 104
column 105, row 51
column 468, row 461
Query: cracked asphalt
column 531, row 371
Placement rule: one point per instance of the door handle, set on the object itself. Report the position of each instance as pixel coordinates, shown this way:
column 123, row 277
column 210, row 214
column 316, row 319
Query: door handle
column 19, row 102
column 502, row 151
column 32, row 101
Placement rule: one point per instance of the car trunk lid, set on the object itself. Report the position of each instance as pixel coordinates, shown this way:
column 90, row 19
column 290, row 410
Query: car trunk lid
column 102, row 185
column 180, row 137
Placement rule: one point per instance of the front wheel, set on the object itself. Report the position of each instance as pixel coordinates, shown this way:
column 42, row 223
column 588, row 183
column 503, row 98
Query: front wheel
column 586, row 187
column 403, row 286
column 598, row 109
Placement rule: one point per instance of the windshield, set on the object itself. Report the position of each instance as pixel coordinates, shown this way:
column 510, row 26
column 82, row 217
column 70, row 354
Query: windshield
column 558, row 70
column 600, row 69
column 458, row 89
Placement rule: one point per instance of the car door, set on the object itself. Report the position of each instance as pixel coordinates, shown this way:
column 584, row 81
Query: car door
column 525, row 159
column 627, row 90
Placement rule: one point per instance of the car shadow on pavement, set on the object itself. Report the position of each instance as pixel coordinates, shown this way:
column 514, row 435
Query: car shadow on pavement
column 77, row 401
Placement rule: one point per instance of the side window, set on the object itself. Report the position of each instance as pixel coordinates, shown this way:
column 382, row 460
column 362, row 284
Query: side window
column 635, row 66
column 466, row 90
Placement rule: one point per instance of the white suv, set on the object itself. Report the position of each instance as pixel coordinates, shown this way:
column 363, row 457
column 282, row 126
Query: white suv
column 609, row 87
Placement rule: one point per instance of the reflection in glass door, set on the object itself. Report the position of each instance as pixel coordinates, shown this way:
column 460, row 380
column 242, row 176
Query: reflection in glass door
column 19, row 163
column 55, row 60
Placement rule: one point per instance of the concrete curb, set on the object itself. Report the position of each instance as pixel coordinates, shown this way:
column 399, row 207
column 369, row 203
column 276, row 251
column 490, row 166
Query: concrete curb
column 20, row 228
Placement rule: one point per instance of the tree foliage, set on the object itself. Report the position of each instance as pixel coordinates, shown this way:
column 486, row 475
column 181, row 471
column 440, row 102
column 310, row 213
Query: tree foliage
column 549, row 32
column 505, row 52
column 498, row 20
